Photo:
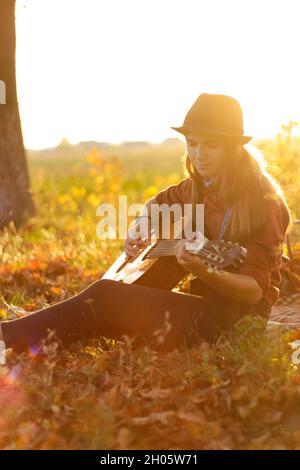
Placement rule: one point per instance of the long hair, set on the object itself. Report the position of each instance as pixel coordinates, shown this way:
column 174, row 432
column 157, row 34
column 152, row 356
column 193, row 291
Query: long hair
column 242, row 183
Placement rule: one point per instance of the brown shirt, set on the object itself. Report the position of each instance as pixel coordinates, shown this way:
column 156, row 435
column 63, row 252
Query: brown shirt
column 264, row 251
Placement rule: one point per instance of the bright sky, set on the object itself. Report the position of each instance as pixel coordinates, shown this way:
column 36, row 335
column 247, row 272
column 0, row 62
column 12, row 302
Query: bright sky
column 115, row 70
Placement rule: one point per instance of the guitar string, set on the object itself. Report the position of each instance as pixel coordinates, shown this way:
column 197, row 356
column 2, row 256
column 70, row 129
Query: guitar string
column 155, row 252
column 160, row 251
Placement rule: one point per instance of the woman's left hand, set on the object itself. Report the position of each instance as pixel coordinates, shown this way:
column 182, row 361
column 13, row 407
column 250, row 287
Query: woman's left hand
column 192, row 263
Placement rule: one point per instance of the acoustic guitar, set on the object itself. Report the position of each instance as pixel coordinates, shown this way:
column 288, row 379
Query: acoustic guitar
column 216, row 255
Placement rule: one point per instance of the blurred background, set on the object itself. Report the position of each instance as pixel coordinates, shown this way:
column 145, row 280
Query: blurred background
column 113, row 70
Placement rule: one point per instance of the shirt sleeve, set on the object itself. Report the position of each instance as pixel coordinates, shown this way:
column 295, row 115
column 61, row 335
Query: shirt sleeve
column 180, row 193
column 264, row 251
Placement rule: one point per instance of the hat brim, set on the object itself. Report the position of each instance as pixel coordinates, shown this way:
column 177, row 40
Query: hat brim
column 241, row 138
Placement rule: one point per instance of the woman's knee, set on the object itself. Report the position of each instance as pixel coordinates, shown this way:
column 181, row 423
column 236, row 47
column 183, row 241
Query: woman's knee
column 102, row 285
column 106, row 283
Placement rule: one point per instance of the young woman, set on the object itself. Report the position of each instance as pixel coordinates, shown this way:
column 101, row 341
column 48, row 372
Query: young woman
column 242, row 203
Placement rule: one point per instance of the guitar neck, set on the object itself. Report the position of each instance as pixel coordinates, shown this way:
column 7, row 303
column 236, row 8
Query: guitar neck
column 167, row 248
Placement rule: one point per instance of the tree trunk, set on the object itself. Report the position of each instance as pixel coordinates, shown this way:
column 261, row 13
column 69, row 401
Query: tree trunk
column 16, row 201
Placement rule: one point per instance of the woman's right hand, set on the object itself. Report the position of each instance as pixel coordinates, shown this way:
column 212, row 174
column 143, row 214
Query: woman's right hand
column 138, row 237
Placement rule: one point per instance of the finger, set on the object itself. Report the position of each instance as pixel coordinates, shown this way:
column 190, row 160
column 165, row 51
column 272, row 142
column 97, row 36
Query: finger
column 130, row 255
column 146, row 241
column 181, row 261
column 177, row 247
column 181, row 250
column 134, row 241
column 138, row 247
column 133, row 250
column 179, row 254
column 140, row 241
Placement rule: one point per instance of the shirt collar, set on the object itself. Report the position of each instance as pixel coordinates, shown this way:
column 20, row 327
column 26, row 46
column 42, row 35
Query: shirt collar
column 207, row 182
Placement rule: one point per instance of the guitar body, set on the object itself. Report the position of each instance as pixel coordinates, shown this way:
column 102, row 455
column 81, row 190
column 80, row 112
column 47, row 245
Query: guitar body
column 129, row 271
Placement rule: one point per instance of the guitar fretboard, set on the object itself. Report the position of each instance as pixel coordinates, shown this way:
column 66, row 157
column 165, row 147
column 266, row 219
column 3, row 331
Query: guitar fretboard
column 167, row 248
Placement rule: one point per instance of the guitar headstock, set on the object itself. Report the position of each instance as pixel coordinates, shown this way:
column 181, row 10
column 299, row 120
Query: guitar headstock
column 218, row 255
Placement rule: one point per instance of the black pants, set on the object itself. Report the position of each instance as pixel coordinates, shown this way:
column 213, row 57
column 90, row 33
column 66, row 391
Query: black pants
column 147, row 310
